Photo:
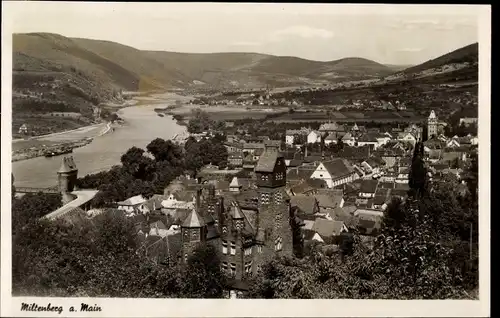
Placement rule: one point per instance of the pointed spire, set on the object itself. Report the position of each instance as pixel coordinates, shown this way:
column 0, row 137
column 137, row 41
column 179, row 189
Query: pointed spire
column 193, row 220
column 236, row 211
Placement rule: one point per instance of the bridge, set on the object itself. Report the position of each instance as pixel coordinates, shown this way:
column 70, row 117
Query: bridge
column 51, row 190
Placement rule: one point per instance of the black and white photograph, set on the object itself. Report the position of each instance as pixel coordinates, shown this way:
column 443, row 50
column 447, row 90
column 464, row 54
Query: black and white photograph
column 244, row 151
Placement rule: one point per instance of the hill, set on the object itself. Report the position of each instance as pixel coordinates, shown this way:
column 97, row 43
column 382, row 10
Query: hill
column 467, row 54
column 116, row 65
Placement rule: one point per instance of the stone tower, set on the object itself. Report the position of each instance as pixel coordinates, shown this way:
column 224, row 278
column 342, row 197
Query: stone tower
column 432, row 125
column 67, row 176
column 274, row 211
column 193, row 230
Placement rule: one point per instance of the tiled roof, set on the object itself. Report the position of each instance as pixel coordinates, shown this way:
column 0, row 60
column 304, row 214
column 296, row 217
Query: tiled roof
column 338, row 167
column 327, row 228
column 135, row 200
column 368, row 138
column 267, row 161
column 368, row 186
column 299, row 174
column 306, row 204
column 329, row 201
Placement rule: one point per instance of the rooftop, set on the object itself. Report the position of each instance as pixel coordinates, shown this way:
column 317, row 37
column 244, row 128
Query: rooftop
column 82, row 197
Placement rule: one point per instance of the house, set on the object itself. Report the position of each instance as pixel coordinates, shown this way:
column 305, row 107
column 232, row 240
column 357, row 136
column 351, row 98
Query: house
column 235, row 160
column 249, row 161
column 291, row 135
column 403, row 176
column 349, row 139
column 158, row 228
column 233, row 147
column 300, row 173
column 331, row 127
column 304, row 205
column 313, row 137
column 329, row 230
column 415, row 130
column 468, row 121
column 369, row 222
column 382, row 139
column 234, row 186
column 328, row 202
column 373, row 165
column 331, row 139
column 382, row 198
column 253, row 147
column 335, row 172
column 368, row 188
column 453, row 143
column 132, row 205
column 368, row 140
column 407, row 137
column 23, row 129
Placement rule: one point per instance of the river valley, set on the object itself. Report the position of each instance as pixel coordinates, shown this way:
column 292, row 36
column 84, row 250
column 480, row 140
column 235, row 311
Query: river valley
column 142, row 124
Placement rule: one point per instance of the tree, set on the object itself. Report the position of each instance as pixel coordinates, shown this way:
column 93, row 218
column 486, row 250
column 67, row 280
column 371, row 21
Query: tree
column 135, row 163
column 418, row 179
column 165, row 151
column 203, row 276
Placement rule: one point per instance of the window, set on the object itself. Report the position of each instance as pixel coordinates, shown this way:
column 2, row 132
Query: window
column 248, row 267
column 239, row 225
column 259, row 249
column 264, row 177
column 278, row 244
column 321, row 176
column 224, row 229
column 248, row 251
column 224, row 247
column 278, row 197
column 195, row 234
column 185, row 257
column 232, row 270
column 233, row 248
column 224, row 267
column 279, row 176
column 265, row 198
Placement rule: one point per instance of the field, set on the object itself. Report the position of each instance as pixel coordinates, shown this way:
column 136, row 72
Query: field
column 376, row 116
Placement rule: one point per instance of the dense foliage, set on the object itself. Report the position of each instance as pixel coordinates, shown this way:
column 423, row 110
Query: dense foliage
column 147, row 173
column 200, row 121
column 100, row 257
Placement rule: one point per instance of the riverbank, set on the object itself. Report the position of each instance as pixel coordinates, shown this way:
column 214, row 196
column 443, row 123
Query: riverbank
column 55, row 148
column 57, row 142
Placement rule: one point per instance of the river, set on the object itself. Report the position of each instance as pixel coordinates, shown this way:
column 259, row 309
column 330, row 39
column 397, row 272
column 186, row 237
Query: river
column 142, row 126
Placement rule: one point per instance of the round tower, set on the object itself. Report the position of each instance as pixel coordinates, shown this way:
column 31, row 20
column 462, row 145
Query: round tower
column 67, row 176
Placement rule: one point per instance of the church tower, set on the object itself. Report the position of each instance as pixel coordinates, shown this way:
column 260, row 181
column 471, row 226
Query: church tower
column 67, row 176
column 274, row 212
column 193, row 230
column 432, row 125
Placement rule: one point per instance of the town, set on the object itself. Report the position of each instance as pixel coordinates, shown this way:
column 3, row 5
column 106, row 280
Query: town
column 256, row 198
column 283, row 152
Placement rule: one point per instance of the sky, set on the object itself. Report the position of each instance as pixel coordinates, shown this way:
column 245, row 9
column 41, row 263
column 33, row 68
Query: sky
column 389, row 34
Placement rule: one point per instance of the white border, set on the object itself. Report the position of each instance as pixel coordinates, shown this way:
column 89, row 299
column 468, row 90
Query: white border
column 258, row 308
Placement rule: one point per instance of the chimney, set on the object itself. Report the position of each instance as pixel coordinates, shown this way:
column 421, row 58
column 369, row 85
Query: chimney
column 198, row 200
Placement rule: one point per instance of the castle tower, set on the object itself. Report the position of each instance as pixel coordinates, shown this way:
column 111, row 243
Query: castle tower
column 193, row 230
column 67, row 176
column 274, row 213
column 432, row 125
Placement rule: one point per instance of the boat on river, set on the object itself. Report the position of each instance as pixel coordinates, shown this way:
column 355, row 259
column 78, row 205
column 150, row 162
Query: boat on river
column 57, row 152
